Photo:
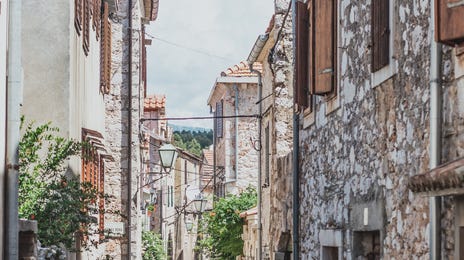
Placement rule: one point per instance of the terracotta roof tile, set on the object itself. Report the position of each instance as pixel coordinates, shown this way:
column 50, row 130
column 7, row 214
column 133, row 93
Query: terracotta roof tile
column 242, row 70
column 154, row 102
column 441, row 180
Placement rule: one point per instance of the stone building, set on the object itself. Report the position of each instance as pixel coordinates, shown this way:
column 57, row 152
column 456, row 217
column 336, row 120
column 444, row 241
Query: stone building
column 84, row 67
column 369, row 75
column 277, row 133
column 236, row 153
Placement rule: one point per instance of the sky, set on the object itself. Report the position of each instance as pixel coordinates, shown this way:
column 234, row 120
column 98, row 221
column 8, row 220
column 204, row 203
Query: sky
column 193, row 42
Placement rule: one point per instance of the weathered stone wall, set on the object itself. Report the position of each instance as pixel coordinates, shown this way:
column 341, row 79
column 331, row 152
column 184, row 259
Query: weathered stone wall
column 117, row 129
column 360, row 155
column 277, row 109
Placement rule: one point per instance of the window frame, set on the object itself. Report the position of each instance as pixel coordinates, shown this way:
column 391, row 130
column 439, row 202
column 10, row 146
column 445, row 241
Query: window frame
column 380, row 76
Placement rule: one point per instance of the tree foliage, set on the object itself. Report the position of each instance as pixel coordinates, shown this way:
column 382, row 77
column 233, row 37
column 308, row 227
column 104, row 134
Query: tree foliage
column 60, row 203
column 223, row 226
column 194, row 141
column 152, row 246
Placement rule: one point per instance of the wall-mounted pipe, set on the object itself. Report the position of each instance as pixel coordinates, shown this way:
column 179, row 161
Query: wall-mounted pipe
column 129, row 136
column 435, row 136
column 14, row 99
column 236, row 131
column 296, row 152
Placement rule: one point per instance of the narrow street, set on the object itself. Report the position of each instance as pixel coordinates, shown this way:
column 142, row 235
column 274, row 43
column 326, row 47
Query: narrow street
column 235, row 130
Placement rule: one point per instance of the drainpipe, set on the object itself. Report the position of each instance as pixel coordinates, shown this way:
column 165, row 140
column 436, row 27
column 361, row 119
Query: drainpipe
column 129, row 136
column 252, row 57
column 236, row 132
column 296, row 151
column 435, row 136
column 260, row 119
column 14, row 99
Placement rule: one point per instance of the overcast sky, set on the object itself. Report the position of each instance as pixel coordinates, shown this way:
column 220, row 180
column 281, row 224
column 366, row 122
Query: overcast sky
column 195, row 41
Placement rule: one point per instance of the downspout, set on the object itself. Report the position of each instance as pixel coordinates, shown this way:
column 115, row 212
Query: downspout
column 257, row 48
column 296, row 151
column 236, row 132
column 129, row 136
column 260, row 120
column 435, row 136
column 14, row 99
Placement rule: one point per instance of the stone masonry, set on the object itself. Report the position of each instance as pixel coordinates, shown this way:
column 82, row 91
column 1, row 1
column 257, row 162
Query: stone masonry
column 357, row 157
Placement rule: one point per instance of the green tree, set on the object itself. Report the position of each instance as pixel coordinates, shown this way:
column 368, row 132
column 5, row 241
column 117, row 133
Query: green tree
column 152, row 246
column 194, row 147
column 47, row 193
column 223, row 226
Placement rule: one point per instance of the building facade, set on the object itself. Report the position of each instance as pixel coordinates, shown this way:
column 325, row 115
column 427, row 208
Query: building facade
column 365, row 84
column 236, row 136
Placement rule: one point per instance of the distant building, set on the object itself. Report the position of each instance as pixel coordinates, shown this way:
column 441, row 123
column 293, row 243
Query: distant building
column 234, row 95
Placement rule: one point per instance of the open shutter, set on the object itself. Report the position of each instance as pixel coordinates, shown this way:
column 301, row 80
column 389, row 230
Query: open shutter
column 105, row 52
column 380, row 34
column 97, row 17
column 448, row 22
column 219, row 121
column 78, row 15
column 86, row 27
column 324, row 46
column 302, row 22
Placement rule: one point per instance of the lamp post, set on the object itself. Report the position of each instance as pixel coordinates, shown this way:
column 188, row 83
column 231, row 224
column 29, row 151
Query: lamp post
column 168, row 155
column 199, row 203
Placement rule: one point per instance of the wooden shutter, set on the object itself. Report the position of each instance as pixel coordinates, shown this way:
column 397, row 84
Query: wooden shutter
column 101, row 202
column 219, row 121
column 324, row 46
column 302, row 23
column 78, row 15
column 267, row 152
column 380, row 34
column 96, row 17
column 86, row 27
column 105, row 52
column 449, row 28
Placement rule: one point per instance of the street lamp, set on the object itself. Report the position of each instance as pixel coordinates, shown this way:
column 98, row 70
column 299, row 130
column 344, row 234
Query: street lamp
column 199, row 202
column 168, row 154
column 188, row 225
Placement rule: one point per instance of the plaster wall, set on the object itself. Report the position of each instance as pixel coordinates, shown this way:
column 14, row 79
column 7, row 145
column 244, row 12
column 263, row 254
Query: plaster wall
column 3, row 68
column 362, row 152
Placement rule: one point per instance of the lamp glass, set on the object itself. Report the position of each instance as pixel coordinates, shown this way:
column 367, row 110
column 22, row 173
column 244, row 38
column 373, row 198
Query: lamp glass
column 188, row 225
column 199, row 203
column 168, row 154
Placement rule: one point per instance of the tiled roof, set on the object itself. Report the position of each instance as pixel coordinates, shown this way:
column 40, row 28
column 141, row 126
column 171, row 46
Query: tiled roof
column 208, row 155
column 154, row 102
column 447, row 179
column 242, row 70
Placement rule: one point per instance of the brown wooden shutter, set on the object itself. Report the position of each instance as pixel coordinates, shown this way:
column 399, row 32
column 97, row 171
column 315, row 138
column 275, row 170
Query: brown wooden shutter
column 105, row 52
column 97, row 18
column 78, row 15
column 324, row 46
column 101, row 202
column 86, row 27
column 449, row 28
column 302, row 22
column 380, row 34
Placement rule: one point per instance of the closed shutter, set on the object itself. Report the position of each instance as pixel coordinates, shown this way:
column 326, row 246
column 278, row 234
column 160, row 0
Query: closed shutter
column 324, row 46
column 449, row 27
column 219, row 121
column 380, row 34
column 302, row 23
column 105, row 52
column 86, row 27
column 101, row 202
column 267, row 152
column 78, row 15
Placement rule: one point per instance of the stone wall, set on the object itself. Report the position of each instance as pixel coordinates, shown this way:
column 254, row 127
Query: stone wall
column 358, row 157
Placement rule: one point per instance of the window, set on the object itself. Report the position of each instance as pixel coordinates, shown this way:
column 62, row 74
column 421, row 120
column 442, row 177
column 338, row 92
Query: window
column 331, row 244
column 380, row 34
column 448, row 22
column 329, row 253
column 219, row 121
column 105, row 52
column 366, row 245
